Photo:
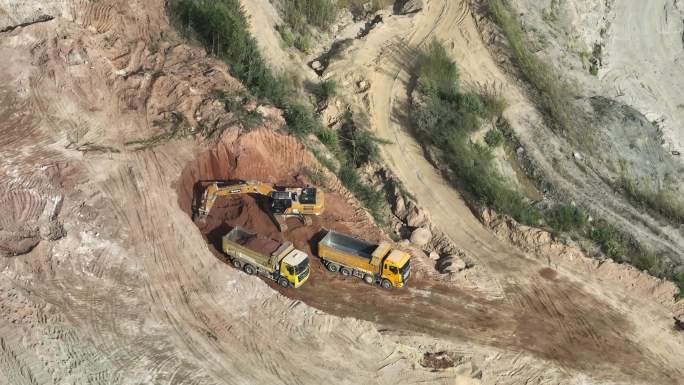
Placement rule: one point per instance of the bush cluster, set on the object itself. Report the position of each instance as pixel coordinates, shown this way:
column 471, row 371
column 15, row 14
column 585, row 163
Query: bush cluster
column 664, row 201
column 444, row 118
column 494, row 138
column 566, row 218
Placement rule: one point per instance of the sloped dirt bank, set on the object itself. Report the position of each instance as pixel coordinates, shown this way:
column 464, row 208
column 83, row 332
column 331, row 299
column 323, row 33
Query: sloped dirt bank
column 545, row 313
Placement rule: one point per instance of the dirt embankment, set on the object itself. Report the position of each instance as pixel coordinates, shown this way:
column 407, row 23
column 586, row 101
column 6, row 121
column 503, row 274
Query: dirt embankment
column 131, row 293
column 562, row 312
column 544, row 311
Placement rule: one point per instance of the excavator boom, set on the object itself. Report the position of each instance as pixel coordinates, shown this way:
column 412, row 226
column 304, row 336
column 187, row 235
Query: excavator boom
column 217, row 189
column 285, row 202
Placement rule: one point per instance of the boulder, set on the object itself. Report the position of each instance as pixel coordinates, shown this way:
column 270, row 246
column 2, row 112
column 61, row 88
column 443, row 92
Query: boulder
column 421, row 236
column 404, row 7
column 415, row 217
column 400, row 207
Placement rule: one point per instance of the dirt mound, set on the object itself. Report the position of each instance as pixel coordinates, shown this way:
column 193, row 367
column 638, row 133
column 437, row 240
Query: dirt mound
column 30, row 205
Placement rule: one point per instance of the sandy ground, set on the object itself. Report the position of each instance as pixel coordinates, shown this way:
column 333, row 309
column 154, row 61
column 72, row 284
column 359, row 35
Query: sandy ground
column 134, row 293
column 645, row 62
column 380, row 59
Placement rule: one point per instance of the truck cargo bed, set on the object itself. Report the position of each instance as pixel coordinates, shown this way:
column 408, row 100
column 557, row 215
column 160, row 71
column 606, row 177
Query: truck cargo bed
column 254, row 242
column 349, row 245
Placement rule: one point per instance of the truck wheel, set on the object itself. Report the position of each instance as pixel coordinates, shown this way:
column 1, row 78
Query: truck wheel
column 345, row 272
column 249, row 269
column 284, row 282
column 237, row 264
column 333, row 267
column 386, row 284
column 369, row 279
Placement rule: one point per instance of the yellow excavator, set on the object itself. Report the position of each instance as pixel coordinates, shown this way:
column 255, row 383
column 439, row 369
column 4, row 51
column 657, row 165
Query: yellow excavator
column 284, row 201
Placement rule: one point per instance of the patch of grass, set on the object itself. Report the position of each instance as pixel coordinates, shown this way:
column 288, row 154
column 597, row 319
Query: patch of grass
column 612, row 243
column 326, row 89
column 444, row 118
column 235, row 103
column 566, row 218
column 359, row 144
column 664, row 201
column 494, row 138
column 554, row 94
column 373, row 200
column 678, row 279
column 436, row 73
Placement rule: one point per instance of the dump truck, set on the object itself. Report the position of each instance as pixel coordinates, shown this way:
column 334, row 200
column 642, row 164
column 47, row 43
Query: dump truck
column 375, row 264
column 256, row 254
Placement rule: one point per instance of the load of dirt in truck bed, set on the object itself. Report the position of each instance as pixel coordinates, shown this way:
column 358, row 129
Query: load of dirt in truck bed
column 255, row 242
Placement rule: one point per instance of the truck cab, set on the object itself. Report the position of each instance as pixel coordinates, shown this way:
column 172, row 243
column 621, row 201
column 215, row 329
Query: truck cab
column 295, row 268
column 396, row 268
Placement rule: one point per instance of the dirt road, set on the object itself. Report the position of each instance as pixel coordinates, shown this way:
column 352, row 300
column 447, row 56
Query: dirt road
column 530, row 299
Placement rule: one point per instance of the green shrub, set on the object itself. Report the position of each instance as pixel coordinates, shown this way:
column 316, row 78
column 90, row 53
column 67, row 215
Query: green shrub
column 286, row 34
column 327, row 89
column 371, row 199
column 665, row 201
column 299, row 14
column 494, row 138
column 300, row 119
column 678, row 278
column 609, row 240
column 436, row 72
column 566, row 218
column 444, row 118
column 359, row 144
column 303, row 43
column 328, row 137
column 646, row 261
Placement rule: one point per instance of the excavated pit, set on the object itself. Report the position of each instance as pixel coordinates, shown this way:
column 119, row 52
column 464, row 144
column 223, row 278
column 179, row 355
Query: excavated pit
column 425, row 306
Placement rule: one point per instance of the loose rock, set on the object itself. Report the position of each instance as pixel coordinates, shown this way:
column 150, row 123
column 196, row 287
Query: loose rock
column 409, row 6
column 421, row 236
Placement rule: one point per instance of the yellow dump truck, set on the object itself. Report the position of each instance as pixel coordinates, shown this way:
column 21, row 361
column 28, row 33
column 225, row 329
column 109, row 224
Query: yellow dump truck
column 373, row 263
column 256, row 254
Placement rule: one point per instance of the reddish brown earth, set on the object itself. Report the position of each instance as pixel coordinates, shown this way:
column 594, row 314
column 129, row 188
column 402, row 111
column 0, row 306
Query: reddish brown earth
column 542, row 312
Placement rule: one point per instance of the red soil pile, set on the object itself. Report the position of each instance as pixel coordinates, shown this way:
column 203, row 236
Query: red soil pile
column 266, row 156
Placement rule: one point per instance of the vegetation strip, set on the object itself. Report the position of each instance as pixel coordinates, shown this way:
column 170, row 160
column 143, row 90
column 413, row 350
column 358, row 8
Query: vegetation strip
column 223, row 29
